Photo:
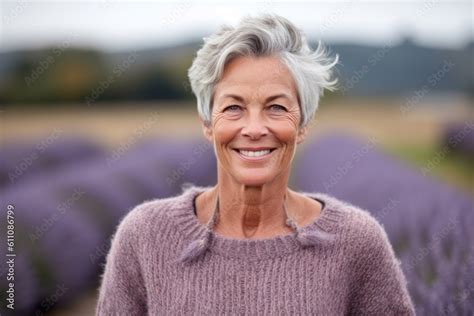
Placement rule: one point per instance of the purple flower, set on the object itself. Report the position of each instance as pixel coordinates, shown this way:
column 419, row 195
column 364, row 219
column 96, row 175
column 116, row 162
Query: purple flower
column 429, row 223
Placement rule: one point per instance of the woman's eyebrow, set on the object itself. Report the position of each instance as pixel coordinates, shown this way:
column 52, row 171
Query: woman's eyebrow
column 233, row 96
column 268, row 99
column 277, row 96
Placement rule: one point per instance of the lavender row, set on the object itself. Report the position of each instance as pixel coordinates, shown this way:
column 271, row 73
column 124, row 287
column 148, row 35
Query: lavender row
column 64, row 219
column 428, row 223
column 21, row 160
column 459, row 137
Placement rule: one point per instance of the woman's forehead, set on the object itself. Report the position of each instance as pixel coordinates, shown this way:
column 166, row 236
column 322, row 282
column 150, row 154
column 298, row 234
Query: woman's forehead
column 264, row 93
column 250, row 69
column 255, row 78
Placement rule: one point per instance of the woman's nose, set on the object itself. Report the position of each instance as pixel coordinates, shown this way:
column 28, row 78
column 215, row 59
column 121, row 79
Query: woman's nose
column 255, row 126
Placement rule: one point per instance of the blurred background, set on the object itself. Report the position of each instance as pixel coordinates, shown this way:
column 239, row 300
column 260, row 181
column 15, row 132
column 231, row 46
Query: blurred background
column 97, row 116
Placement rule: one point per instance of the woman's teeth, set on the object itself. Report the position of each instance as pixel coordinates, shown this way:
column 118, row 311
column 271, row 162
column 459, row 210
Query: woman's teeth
column 258, row 153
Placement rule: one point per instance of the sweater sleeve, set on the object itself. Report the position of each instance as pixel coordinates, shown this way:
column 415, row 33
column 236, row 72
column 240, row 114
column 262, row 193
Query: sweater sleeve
column 122, row 290
column 380, row 286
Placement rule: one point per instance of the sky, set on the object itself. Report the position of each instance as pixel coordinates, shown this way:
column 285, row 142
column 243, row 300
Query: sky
column 117, row 25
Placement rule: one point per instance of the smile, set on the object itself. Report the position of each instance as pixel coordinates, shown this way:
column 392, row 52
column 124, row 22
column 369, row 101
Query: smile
column 254, row 154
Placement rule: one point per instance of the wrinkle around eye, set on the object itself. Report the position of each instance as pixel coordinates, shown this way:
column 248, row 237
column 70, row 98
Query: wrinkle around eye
column 294, row 115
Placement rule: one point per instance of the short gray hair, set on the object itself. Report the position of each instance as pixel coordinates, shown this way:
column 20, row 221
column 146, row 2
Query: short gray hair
column 265, row 35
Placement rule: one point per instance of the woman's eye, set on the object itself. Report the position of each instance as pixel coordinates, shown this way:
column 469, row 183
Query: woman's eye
column 277, row 107
column 232, row 108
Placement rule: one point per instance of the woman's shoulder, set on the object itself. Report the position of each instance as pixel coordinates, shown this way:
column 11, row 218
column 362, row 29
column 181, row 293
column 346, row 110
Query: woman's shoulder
column 156, row 212
column 361, row 220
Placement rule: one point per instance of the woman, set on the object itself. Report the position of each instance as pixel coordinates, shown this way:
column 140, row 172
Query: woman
column 251, row 245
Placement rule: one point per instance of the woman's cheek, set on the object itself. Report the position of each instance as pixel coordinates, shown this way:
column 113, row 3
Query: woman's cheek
column 224, row 131
column 285, row 129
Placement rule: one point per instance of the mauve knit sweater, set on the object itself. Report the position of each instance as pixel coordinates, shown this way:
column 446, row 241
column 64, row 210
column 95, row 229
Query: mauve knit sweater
column 346, row 267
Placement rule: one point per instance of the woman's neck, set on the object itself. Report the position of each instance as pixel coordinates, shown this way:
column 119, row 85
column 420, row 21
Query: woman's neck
column 253, row 212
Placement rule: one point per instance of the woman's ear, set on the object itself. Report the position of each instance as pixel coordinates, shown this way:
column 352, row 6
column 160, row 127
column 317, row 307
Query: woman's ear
column 206, row 129
column 302, row 132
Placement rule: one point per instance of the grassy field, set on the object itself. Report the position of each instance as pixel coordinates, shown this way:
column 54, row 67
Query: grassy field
column 453, row 168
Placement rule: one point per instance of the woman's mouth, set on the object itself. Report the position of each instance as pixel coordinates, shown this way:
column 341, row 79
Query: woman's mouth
column 257, row 154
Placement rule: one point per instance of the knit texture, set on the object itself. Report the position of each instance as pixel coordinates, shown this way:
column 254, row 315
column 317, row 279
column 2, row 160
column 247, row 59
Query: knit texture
column 346, row 267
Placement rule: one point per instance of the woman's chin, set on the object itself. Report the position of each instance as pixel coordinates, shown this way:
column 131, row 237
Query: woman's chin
column 253, row 178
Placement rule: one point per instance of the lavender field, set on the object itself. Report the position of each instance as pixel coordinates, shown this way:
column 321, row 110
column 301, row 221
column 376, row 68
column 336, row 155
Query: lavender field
column 428, row 223
column 65, row 215
column 69, row 194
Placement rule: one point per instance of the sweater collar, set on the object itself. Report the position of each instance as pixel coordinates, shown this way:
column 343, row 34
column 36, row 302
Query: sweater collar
column 199, row 238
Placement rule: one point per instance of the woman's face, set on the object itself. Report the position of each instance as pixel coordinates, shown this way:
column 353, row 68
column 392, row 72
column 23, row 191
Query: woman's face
column 255, row 120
